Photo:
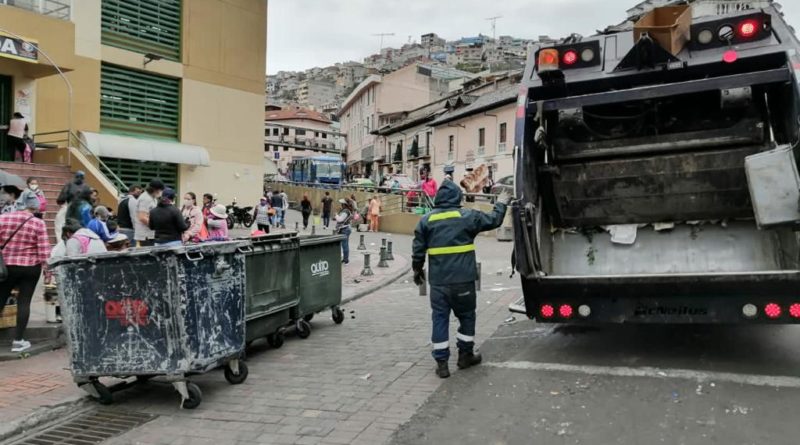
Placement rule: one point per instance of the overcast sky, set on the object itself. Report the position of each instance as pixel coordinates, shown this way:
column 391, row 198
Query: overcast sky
column 303, row 34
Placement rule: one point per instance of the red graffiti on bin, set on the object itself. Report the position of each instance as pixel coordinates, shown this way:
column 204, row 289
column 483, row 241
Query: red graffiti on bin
column 129, row 312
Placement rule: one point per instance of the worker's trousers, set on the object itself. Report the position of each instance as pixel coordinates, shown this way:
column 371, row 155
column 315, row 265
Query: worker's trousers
column 461, row 300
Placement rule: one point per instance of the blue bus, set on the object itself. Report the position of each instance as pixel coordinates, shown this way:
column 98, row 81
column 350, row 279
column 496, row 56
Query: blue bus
column 318, row 169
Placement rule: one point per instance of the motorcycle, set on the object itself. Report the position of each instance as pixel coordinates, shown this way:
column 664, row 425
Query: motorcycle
column 240, row 215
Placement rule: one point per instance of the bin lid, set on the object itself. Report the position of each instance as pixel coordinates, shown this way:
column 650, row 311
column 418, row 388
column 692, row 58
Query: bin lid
column 320, row 239
column 208, row 248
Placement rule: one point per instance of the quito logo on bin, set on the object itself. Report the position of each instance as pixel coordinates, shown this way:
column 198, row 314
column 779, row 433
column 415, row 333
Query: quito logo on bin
column 320, row 269
column 129, row 312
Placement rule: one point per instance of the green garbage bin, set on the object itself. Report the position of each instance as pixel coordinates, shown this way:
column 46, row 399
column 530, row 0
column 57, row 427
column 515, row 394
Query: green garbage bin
column 271, row 286
column 319, row 278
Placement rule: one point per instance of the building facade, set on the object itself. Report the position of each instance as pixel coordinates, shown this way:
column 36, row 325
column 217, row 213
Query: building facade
column 294, row 132
column 174, row 91
column 316, row 94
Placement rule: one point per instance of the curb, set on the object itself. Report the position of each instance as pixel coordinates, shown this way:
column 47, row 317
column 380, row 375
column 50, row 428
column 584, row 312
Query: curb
column 380, row 285
column 41, row 417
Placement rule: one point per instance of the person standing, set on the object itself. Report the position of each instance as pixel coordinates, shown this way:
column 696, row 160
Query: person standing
column 143, row 235
column 305, row 210
column 374, row 212
column 192, row 213
column 33, row 189
column 26, row 248
column 99, row 225
column 73, row 189
column 218, row 223
column 447, row 237
column 285, row 208
column 343, row 220
column 277, row 204
column 167, row 222
column 80, row 209
column 79, row 240
column 15, row 137
column 429, row 185
column 327, row 206
column 127, row 210
column 262, row 215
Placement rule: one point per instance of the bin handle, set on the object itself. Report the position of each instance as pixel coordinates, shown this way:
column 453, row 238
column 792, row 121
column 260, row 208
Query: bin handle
column 245, row 249
column 192, row 257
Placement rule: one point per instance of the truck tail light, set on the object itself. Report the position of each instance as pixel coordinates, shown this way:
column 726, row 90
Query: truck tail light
column 547, row 311
column 565, row 311
column 772, row 310
column 794, row 310
column 570, row 57
column 749, row 310
column 548, row 60
column 748, row 28
column 584, row 310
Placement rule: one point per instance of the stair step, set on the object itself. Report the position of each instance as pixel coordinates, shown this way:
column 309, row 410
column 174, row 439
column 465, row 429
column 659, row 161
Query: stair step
column 16, row 166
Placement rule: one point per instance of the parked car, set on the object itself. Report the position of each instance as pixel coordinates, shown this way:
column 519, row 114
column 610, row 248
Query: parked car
column 365, row 183
column 506, row 184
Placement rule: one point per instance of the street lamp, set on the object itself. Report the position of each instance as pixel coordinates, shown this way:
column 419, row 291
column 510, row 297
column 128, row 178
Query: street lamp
column 60, row 73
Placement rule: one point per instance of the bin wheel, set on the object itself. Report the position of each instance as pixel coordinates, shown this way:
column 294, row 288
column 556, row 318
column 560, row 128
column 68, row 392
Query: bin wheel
column 337, row 314
column 195, row 396
column 142, row 379
column 303, row 328
column 308, row 317
column 276, row 340
column 105, row 396
column 236, row 379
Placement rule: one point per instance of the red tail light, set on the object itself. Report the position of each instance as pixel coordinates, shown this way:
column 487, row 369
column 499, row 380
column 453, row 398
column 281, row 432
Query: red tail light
column 547, row 311
column 794, row 310
column 565, row 311
column 748, row 28
column 772, row 310
column 570, row 57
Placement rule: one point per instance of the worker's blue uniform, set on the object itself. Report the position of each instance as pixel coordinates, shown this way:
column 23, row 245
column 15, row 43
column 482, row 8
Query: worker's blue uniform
column 447, row 237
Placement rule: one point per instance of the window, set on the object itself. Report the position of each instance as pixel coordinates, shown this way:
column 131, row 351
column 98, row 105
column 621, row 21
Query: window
column 138, row 104
column 503, row 135
column 275, row 131
column 299, row 132
column 324, row 135
column 451, row 147
column 275, row 148
column 481, row 137
column 132, row 171
column 144, row 26
column 286, row 131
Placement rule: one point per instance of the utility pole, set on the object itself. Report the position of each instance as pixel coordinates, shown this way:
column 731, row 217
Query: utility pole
column 382, row 35
column 494, row 25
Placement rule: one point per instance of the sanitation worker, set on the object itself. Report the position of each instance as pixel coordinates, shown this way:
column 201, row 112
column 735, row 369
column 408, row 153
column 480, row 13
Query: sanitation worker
column 447, row 236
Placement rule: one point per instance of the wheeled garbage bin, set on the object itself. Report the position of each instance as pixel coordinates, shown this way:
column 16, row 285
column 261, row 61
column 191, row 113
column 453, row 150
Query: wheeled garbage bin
column 319, row 280
column 167, row 312
column 271, row 289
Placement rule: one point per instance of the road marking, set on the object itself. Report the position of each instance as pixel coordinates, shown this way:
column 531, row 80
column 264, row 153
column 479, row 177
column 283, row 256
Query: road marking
column 683, row 374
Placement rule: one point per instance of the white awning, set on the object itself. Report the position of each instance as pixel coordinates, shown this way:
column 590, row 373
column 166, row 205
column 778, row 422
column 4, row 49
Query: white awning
column 124, row 147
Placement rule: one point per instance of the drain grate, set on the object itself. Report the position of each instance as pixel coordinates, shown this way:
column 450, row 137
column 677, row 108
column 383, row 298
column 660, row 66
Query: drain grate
column 88, row 428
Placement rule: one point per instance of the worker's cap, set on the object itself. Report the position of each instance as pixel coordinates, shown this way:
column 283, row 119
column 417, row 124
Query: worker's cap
column 168, row 194
column 219, row 211
column 449, row 169
column 342, row 201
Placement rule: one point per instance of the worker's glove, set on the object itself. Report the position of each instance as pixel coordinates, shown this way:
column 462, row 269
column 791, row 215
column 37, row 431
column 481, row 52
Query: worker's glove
column 419, row 277
column 504, row 198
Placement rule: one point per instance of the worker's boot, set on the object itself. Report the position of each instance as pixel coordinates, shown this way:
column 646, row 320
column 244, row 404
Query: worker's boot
column 467, row 359
column 441, row 369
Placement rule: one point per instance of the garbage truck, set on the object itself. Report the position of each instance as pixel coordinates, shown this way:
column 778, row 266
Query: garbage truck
column 657, row 173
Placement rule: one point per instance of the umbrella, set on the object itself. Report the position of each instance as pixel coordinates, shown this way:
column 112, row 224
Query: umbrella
column 7, row 179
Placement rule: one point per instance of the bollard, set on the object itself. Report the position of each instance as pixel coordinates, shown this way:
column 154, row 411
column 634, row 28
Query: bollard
column 313, row 230
column 296, row 226
column 389, row 254
column 478, row 281
column 367, row 271
column 383, row 242
column 382, row 263
column 361, row 245
column 423, row 289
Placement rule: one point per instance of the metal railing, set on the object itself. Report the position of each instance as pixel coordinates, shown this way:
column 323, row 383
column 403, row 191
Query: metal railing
column 67, row 139
column 59, row 9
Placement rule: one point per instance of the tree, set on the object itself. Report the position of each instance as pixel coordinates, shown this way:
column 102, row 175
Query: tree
column 413, row 153
column 398, row 153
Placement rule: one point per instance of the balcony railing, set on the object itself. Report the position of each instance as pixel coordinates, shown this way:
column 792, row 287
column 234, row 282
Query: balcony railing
column 59, row 9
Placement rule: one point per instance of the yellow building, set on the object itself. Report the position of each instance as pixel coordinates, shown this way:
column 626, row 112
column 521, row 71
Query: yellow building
column 172, row 89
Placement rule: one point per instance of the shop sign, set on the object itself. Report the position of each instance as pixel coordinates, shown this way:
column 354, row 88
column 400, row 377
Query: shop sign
column 19, row 49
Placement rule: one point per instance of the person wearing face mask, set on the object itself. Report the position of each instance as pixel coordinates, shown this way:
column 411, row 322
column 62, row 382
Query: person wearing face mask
column 147, row 201
column 99, row 225
column 263, row 214
column 33, row 190
column 194, row 216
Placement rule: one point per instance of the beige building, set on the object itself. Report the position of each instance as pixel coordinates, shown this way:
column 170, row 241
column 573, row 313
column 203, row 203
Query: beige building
column 295, row 132
column 174, row 92
column 316, row 94
column 477, row 130
column 376, row 101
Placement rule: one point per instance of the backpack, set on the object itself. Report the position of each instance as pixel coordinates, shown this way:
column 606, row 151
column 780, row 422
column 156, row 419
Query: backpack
column 84, row 242
column 42, row 202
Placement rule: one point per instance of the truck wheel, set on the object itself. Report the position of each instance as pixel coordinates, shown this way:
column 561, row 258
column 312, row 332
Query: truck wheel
column 236, row 379
column 105, row 397
column 303, row 328
column 337, row 314
column 195, row 396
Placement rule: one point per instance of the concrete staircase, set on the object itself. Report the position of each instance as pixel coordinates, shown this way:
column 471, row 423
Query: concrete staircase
column 51, row 179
